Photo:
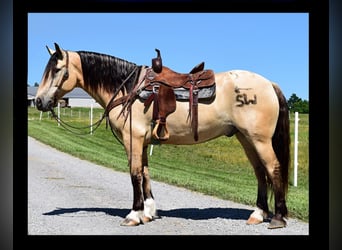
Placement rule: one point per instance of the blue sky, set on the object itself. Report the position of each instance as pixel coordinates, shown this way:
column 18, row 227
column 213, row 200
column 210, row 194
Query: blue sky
column 275, row 45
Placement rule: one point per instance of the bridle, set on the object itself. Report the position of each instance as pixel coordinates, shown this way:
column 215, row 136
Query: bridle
column 66, row 73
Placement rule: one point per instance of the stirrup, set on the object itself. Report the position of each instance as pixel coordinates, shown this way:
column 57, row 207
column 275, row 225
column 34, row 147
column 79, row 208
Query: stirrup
column 155, row 131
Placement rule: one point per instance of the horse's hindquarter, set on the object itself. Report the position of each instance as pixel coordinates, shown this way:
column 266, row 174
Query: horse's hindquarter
column 255, row 106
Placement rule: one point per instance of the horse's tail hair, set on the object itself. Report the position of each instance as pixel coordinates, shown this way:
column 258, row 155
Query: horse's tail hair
column 281, row 138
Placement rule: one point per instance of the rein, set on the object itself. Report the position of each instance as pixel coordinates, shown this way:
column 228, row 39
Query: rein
column 113, row 103
column 70, row 127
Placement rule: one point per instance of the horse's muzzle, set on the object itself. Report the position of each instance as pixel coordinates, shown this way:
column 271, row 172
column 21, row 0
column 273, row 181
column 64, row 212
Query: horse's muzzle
column 44, row 105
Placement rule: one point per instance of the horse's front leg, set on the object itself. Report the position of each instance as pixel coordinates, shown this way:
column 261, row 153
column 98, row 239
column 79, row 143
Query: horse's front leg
column 150, row 211
column 143, row 208
column 134, row 151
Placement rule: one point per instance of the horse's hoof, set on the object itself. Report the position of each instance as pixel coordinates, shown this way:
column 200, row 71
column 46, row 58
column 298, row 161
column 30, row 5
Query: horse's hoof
column 256, row 217
column 253, row 221
column 277, row 223
column 129, row 222
column 146, row 219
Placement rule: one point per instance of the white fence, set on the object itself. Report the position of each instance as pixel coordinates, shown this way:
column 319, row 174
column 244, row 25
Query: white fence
column 295, row 144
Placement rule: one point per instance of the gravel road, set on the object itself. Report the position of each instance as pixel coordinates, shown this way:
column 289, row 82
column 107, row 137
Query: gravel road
column 69, row 196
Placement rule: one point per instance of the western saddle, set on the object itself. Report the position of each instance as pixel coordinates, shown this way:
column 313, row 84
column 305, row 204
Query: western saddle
column 164, row 86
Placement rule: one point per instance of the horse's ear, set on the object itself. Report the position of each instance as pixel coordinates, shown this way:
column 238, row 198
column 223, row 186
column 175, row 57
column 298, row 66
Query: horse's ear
column 59, row 52
column 51, row 51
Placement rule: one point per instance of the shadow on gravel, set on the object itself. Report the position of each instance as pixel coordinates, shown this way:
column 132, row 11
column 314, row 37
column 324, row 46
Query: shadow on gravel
column 185, row 213
column 207, row 213
column 110, row 211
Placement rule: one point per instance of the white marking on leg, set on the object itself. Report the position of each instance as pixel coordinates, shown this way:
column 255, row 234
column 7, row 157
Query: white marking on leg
column 135, row 216
column 149, row 208
column 259, row 214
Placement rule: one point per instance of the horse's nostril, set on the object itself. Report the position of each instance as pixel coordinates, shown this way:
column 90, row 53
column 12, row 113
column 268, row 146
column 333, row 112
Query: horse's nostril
column 50, row 104
column 39, row 103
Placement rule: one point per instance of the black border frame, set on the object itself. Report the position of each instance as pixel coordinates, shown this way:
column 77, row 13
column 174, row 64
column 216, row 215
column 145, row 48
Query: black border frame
column 318, row 91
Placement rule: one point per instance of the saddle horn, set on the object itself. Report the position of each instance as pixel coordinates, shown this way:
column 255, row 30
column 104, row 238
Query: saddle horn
column 157, row 64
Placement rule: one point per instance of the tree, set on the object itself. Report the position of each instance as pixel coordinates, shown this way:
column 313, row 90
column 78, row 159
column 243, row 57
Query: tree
column 296, row 104
column 36, row 84
column 292, row 100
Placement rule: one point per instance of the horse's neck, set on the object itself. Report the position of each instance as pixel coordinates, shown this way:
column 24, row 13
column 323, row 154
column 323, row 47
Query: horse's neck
column 102, row 95
column 103, row 98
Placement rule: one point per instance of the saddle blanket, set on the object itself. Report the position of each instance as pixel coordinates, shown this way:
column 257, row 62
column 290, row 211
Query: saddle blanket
column 183, row 93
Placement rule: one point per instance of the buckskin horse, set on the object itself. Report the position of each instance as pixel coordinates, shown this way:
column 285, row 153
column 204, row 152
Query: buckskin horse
column 145, row 104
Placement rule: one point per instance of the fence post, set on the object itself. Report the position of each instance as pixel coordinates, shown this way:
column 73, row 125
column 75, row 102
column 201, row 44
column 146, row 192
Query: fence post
column 295, row 144
column 59, row 113
column 91, row 118
column 151, row 149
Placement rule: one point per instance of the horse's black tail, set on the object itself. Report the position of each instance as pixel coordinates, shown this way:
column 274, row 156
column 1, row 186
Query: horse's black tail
column 281, row 138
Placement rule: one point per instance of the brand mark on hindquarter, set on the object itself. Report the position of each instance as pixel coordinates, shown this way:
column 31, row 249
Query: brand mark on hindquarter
column 243, row 99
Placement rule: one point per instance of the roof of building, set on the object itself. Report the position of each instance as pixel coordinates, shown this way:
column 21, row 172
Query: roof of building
column 75, row 93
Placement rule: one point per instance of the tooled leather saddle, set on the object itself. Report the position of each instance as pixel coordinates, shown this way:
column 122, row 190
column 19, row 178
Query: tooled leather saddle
column 164, row 86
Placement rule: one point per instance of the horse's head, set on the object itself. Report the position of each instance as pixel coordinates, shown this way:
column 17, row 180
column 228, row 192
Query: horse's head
column 56, row 80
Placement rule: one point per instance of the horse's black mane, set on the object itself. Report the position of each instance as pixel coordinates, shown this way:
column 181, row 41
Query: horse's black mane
column 108, row 72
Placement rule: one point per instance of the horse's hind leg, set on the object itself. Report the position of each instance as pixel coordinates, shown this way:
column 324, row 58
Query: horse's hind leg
column 264, row 150
column 262, row 210
column 149, row 203
column 274, row 172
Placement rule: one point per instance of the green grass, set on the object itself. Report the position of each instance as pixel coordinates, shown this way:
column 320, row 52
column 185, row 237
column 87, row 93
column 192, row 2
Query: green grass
column 219, row 167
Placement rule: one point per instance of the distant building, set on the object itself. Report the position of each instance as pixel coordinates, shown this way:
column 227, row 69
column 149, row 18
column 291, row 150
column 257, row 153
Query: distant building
column 75, row 98
column 31, row 93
